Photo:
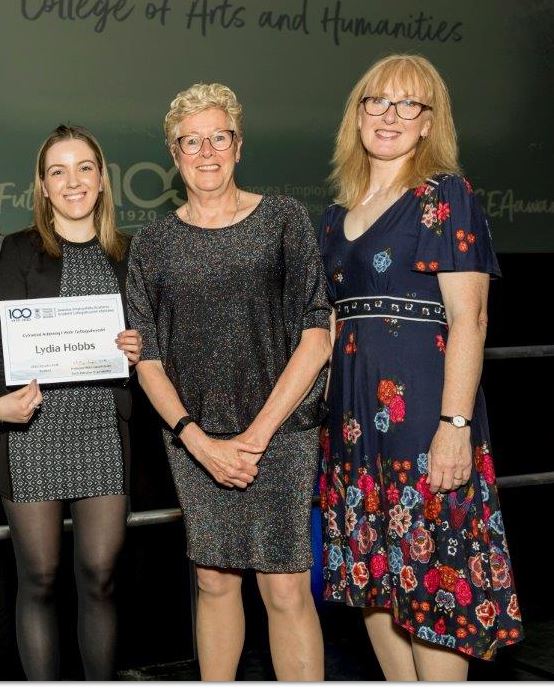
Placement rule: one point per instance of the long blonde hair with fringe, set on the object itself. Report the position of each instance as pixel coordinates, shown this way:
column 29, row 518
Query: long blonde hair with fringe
column 111, row 240
column 434, row 154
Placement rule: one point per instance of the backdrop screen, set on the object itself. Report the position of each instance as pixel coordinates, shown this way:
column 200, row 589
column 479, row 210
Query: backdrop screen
column 114, row 66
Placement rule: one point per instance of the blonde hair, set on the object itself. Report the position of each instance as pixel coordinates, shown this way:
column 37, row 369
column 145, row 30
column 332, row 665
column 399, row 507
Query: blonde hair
column 198, row 98
column 436, row 153
column 112, row 241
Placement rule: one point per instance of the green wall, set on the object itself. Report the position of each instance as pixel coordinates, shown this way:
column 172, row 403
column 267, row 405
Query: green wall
column 116, row 70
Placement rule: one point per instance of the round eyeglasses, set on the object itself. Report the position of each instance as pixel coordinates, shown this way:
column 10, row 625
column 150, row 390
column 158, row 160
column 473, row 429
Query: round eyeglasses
column 220, row 141
column 407, row 109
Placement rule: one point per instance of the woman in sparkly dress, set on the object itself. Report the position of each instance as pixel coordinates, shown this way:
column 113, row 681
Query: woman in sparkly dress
column 75, row 447
column 229, row 294
column 413, row 529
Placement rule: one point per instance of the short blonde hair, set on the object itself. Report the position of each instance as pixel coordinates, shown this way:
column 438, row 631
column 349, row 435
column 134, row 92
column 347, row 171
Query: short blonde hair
column 111, row 240
column 198, row 98
column 436, row 153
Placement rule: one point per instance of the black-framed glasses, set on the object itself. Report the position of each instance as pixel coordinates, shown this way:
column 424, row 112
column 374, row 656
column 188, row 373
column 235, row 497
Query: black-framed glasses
column 407, row 109
column 220, row 141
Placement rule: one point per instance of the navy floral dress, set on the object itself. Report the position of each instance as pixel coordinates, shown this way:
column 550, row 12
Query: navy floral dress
column 439, row 561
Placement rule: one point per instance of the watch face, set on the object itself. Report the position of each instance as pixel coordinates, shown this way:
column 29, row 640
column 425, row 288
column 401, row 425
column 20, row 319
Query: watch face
column 458, row 421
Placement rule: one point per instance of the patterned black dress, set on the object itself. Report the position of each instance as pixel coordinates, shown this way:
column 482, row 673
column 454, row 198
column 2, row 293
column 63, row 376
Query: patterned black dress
column 72, row 447
column 440, row 562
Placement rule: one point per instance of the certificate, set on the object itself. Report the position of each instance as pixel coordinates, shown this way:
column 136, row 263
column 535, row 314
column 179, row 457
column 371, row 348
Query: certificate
column 65, row 339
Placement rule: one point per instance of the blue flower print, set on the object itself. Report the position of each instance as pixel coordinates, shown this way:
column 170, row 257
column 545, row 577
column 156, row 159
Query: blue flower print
column 395, row 559
column 349, row 559
column 335, row 558
column 426, row 633
column 353, row 496
column 484, row 489
column 422, row 463
column 445, row 600
column 382, row 420
column 382, row 261
column 410, row 497
column 496, row 523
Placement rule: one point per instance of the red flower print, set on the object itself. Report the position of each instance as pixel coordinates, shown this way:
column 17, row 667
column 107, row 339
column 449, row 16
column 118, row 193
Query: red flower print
column 463, row 246
column 397, row 409
column 460, row 235
column 393, row 494
column 422, row 545
column 397, row 465
column 477, row 572
column 514, row 633
column 443, row 211
column 422, row 486
column 403, row 478
column 471, row 628
column 420, row 266
column 360, row 574
column 432, row 580
column 407, row 465
column 350, row 346
column 366, row 483
column 386, row 391
column 448, row 577
column 488, row 469
column 421, row 190
column 378, row 565
column 513, row 608
column 440, row 343
column 461, row 633
column 470, row 238
column 486, row 512
column 433, row 266
column 351, row 431
column 350, row 521
column 486, row 613
column 440, row 626
column 462, row 592
column 432, row 508
column 366, row 537
column 500, row 571
column 332, row 497
column 408, row 580
column 325, row 443
column 338, row 328
column 478, row 458
column 372, row 502
column 465, row 650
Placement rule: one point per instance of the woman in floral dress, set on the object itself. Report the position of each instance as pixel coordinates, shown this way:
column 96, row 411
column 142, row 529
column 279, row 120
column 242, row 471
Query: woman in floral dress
column 413, row 528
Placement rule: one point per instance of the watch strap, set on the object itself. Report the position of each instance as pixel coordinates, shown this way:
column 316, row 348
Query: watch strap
column 180, row 425
column 456, row 420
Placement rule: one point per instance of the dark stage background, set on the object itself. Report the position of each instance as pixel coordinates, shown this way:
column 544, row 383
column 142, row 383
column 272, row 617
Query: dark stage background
column 292, row 63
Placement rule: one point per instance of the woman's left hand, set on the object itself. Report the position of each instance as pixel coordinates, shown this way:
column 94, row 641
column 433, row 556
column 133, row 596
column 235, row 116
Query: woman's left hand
column 130, row 342
column 449, row 460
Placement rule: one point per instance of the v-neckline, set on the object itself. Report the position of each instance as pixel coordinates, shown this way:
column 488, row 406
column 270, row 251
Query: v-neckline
column 377, row 221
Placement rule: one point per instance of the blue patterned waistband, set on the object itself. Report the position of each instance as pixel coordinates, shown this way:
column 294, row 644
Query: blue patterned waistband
column 390, row 307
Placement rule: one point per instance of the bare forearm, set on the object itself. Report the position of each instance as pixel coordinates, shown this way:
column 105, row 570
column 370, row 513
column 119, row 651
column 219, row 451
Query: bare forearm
column 293, row 385
column 160, row 391
column 463, row 366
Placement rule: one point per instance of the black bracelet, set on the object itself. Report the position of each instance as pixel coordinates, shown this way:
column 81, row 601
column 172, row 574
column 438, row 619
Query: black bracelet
column 180, row 425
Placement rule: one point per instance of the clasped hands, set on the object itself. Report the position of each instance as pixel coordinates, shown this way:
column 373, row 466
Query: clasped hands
column 449, row 460
column 232, row 462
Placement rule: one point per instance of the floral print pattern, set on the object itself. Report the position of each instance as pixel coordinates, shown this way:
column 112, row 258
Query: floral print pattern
column 438, row 561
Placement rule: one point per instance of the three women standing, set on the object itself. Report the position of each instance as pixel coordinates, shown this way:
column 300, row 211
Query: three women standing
column 413, row 529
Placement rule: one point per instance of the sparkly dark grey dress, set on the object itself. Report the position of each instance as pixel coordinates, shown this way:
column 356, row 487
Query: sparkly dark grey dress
column 72, row 447
column 224, row 309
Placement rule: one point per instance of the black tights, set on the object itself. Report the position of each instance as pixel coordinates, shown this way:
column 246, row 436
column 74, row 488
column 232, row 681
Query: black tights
column 99, row 531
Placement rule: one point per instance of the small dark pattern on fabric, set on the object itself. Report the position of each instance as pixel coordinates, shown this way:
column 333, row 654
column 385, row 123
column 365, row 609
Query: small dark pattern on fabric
column 71, row 448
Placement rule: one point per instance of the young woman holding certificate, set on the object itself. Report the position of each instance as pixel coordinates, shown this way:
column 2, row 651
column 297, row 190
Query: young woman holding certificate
column 70, row 442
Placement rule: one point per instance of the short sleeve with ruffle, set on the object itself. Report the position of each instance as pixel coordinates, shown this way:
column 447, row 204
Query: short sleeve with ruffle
column 454, row 234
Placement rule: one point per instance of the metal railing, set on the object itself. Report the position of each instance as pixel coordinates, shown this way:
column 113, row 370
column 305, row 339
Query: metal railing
column 167, row 515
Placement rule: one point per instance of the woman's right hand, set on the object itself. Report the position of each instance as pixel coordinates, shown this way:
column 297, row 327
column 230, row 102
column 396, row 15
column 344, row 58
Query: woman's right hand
column 19, row 406
column 222, row 458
